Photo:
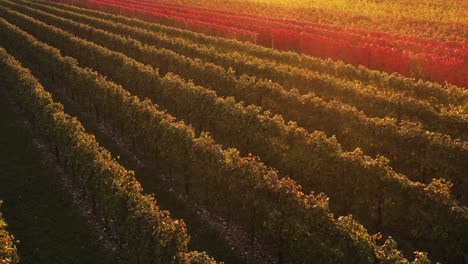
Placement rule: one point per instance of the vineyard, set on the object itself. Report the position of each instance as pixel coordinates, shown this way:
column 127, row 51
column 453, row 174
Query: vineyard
column 218, row 132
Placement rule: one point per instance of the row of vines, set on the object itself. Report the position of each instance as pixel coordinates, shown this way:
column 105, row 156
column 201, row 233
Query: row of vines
column 116, row 194
column 436, row 61
column 258, row 128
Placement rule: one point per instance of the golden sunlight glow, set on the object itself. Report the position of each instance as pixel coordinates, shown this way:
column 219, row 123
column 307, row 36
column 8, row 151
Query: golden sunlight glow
column 440, row 10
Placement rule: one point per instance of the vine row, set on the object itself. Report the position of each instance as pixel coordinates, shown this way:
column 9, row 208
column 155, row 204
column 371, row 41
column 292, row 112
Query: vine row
column 148, row 232
column 353, row 129
column 371, row 100
column 380, row 182
column 434, row 93
column 8, row 252
column 300, row 227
